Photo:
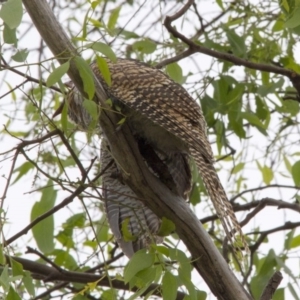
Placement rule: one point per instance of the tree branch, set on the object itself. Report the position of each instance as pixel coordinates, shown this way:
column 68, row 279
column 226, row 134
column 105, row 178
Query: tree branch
column 258, row 205
column 46, row 273
column 263, row 188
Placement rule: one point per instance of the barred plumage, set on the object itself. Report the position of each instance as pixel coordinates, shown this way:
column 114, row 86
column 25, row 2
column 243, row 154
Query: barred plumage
column 162, row 113
column 133, row 224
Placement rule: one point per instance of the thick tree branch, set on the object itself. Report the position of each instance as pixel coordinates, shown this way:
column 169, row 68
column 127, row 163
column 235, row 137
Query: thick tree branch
column 47, row 273
column 207, row 259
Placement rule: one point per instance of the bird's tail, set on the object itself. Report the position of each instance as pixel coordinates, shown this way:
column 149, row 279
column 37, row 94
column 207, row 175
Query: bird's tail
column 133, row 224
column 221, row 203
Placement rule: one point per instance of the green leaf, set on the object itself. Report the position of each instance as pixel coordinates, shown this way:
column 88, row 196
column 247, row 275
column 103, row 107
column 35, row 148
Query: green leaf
column 77, row 220
column 166, row 227
column 127, row 235
column 237, row 43
column 296, row 173
column 121, row 121
column 139, row 261
column 86, row 75
column 145, row 277
column 2, row 256
column 79, row 296
column 102, row 230
column 162, row 249
column 24, row 169
column 253, row 119
column 278, row 26
column 261, row 109
column 287, row 164
column 288, row 239
column 201, row 295
column 195, row 194
column 129, row 34
column 267, row 173
column 279, row 294
column 268, row 264
column 113, row 18
column 271, row 88
column 220, row 3
column 28, row 283
column 17, row 268
column 169, row 286
column 145, row 46
column 138, row 293
column 103, row 67
column 20, row 56
column 104, row 49
column 236, row 123
column 57, row 74
column 9, row 35
column 91, row 107
column 237, row 168
column 43, row 232
column 190, row 287
column 110, row 294
column 65, row 237
column 264, row 271
column 285, row 5
column 93, row 244
column 12, row 294
column 221, row 89
column 175, row 72
column 295, row 242
column 11, row 13
column 265, row 78
column 294, row 20
column 234, row 95
column 290, row 107
column 220, row 133
column 185, row 267
column 4, row 278
column 64, row 259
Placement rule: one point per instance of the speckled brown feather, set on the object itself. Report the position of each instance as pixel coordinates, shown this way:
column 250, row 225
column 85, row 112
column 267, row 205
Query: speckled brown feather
column 121, row 204
column 173, row 114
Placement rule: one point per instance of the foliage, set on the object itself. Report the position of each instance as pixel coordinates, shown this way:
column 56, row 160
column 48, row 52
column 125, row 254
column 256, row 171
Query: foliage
column 238, row 59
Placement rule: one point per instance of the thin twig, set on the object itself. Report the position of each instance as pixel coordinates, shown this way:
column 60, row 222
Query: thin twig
column 262, row 188
column 30, row 78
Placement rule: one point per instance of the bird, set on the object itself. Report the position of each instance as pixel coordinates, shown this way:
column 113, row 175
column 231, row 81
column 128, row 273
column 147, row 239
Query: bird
column 164, row 114
column 132, row 223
